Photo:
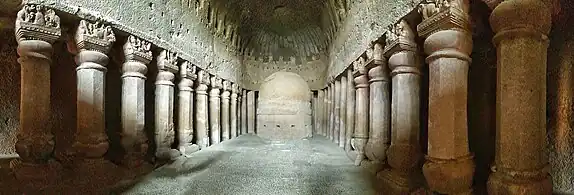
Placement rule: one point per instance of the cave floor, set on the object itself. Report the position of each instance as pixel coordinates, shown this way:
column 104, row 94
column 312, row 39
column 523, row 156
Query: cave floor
column 251, row 165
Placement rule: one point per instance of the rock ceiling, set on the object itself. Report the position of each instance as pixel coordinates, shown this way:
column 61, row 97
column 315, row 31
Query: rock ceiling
column 277, row 27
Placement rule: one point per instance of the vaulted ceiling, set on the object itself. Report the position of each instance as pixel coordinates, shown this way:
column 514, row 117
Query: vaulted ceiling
column 276, row 27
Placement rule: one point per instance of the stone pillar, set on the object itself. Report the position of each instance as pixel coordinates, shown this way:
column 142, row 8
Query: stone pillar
column 243, row 112
column 361, row 134
column 379, row 106
column 35, row 167
column 164, row 92
column 225, row 126
column 343, row 111
column 326, row 112
column 331, row 112
column 521, row 41
column 337, row 111
column 404, row 153
column 133, row 138
column 185, row 120
column 313, row 114
column 201, row 109
column 350, row 123
column 239, row 110
column 449, row 167
column 251, row 112
column 233, row 111
column 320, row 110
column 93, row 41
column 215, row 110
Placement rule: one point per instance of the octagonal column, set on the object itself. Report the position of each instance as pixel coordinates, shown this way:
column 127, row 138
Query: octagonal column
column 214, row 110
column 320, row 111
column 404, row 153
column 449, row 166
column 185, row 118
column 93, row 41
column 164, row 92
column 35, row 141
column 350, row 123
column 361, row 134
column 379, row 106
column 225, row 126
column 233, row 111
column 133, row 138
column 343, row 111
column 331, row 111
column 521, row 166
column 337, row 111
column 251, row 112
column 201, row 109
column 243, row 112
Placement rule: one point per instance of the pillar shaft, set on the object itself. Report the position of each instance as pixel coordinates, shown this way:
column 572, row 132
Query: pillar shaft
column 35, row 141
column 361, row 134
column 404, row 153
column 337, row 111
column 201, row 110
column 225, row 118
column 521, row 166
column 379, row 107
column 331, row 111
column 449, row 167
column 244, row 112
column 320, row 111
column 215, row 110
column 233, row 111
column 343, row 111
column 185, row 117
column 164, row 100
column 350, row 123
column 251, row 112
column 134, row 69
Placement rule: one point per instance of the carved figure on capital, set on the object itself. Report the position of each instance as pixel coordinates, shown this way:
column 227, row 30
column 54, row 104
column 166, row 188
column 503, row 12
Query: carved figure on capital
column 188, row 71
column 136, row 49
column 443, row 15
column 35, row 22
column 167, row 61
column 399, row 37
column 94, row 36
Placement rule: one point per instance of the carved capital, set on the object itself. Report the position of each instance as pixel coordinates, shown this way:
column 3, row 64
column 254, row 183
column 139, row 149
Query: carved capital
column 94, row 36
column 235, row 88
column 139, row 50
column 216, row 82
column 203, row 77
column 188, row 71
column 35, row 22
column 167, row 61
column 443, row 15
column 226, row 85
column 359, row 67
column 400, row 37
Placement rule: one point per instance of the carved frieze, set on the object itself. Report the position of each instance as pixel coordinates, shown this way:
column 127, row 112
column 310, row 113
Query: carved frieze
column 216, row 82
column 35, row 22
column 399, row 37
column 94, row 36
column 136, row 49
column 167, row 61
column 443, row 15
column 188, row 71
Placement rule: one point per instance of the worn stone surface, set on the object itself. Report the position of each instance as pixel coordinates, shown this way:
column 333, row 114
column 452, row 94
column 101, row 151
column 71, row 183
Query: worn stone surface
column 284, row 108
column 9, row 93
column 251, row 165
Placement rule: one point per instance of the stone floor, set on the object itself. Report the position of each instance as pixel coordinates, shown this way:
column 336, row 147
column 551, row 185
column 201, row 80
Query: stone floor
column 249, row 165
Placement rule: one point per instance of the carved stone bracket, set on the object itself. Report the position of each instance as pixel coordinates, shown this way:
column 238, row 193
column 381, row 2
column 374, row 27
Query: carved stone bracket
column 94, row 36
column 443, row 15
column 35, row 22
column 399, row 37
column 136, row 49
column 167, row 61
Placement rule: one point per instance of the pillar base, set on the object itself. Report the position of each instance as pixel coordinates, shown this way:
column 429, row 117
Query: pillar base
column 395, row 182
column 500, row 183
column 35, row 177
column 167, row 154
column 187, row 149
column 449, row 176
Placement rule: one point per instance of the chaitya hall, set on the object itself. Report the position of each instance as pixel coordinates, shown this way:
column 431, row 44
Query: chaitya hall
column 321, row 97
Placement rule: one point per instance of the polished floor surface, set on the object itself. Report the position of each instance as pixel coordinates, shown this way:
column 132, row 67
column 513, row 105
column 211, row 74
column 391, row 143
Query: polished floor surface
column 251, row 166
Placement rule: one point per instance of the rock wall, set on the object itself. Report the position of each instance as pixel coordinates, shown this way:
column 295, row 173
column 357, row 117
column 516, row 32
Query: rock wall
column 311, row 69
column 171, row 24
column 9, row 92
column 365, row 22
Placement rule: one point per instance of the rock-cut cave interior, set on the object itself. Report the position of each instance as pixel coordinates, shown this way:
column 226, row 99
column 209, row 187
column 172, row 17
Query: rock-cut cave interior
column 319, row 97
